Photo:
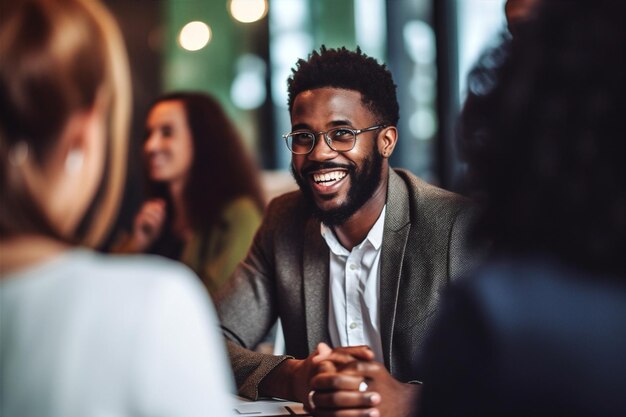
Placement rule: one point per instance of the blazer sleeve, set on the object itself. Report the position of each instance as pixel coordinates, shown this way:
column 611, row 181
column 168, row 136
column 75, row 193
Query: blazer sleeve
column 463, row 253
column 247, row 310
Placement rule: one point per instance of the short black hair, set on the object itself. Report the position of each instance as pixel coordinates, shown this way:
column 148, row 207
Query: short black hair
column 350, row 70
column 543, row 134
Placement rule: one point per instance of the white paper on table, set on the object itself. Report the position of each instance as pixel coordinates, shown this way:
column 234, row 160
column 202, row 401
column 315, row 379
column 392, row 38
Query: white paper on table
column 268, row 408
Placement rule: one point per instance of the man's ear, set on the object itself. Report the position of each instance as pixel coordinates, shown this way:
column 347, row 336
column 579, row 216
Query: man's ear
column 387, row 140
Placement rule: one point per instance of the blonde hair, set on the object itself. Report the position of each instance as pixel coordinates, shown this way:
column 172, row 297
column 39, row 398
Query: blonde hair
column 56, row 57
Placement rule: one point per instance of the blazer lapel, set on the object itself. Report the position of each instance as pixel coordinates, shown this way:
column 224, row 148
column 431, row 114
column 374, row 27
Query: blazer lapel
column 315, row 277
column 396, row 232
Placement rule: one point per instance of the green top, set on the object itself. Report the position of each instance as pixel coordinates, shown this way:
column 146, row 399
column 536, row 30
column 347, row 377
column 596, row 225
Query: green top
column 214, row 254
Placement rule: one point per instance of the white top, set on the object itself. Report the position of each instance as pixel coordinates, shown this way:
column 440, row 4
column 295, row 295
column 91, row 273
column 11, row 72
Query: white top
column 354, row 313
column 88, row 335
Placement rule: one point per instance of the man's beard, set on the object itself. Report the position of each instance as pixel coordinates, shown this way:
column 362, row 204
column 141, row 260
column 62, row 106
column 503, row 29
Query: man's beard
column 363, row 184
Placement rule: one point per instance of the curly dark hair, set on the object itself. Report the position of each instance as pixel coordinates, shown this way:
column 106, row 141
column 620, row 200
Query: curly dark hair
column 543, row 133
column 350, row 70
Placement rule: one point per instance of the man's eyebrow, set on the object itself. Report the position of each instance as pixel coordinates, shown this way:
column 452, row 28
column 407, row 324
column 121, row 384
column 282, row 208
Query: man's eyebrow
column 300, row 126
column 334, row 123
column 341, row 123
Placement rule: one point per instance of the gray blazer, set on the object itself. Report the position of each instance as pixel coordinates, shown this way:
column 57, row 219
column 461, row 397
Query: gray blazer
column 285, row 274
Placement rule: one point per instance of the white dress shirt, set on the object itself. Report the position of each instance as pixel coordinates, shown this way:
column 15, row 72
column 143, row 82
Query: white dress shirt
column 354, row 313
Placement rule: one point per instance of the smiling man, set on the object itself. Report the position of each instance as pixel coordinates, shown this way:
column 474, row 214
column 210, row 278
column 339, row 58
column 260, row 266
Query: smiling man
column 355, row 258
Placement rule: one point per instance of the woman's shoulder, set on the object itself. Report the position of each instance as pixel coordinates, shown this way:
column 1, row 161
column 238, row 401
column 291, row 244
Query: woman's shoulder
column 503, row 289
column 85, row 265
column 84, row 272
column 139, row 269
column 147, row 282
column 242, row 203
column 243, row 207
column 111, row 287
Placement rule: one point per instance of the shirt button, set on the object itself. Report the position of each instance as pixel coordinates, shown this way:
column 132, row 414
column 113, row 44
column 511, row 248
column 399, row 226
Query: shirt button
column 353, row 325
column 353, row 267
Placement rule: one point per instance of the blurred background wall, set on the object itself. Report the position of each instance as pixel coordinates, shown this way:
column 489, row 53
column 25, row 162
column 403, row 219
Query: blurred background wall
column 242, row 51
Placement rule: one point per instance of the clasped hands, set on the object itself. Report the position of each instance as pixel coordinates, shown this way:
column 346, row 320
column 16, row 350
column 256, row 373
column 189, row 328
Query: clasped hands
column 347, row 382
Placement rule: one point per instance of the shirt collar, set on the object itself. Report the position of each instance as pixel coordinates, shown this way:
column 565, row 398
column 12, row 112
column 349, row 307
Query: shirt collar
column 375, row 236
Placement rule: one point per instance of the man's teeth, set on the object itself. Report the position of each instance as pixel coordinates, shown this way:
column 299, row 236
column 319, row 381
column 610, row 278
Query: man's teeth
column 329, row 177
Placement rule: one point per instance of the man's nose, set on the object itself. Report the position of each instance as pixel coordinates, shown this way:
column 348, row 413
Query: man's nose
column 321, row 150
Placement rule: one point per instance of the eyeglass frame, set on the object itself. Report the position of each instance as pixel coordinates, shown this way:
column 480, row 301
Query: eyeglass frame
column 328, row 140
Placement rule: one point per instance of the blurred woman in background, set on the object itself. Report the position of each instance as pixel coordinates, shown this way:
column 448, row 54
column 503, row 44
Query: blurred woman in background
column 205, row 198
column 83, row 334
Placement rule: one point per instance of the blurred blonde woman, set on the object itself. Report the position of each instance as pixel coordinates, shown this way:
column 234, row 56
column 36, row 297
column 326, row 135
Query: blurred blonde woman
column 83, row 334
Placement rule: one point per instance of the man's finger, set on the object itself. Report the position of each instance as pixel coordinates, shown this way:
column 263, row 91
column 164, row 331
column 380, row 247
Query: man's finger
column 345, row 399
column 333, row 381
column 361, row 352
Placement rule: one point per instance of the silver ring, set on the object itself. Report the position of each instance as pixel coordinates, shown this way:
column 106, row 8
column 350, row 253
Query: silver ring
column 310, row 399
column 362, row 386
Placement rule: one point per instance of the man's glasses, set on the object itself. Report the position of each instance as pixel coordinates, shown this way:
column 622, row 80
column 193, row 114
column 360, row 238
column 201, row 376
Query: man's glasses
column 339, row 139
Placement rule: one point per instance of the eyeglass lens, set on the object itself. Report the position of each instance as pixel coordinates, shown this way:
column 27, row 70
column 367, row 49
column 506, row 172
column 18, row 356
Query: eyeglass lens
column 339, row 139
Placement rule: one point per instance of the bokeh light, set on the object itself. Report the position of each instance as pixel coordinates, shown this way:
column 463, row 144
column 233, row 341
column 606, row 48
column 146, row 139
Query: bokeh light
column 248, row 11
column 194, row 36
column 248, row 89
